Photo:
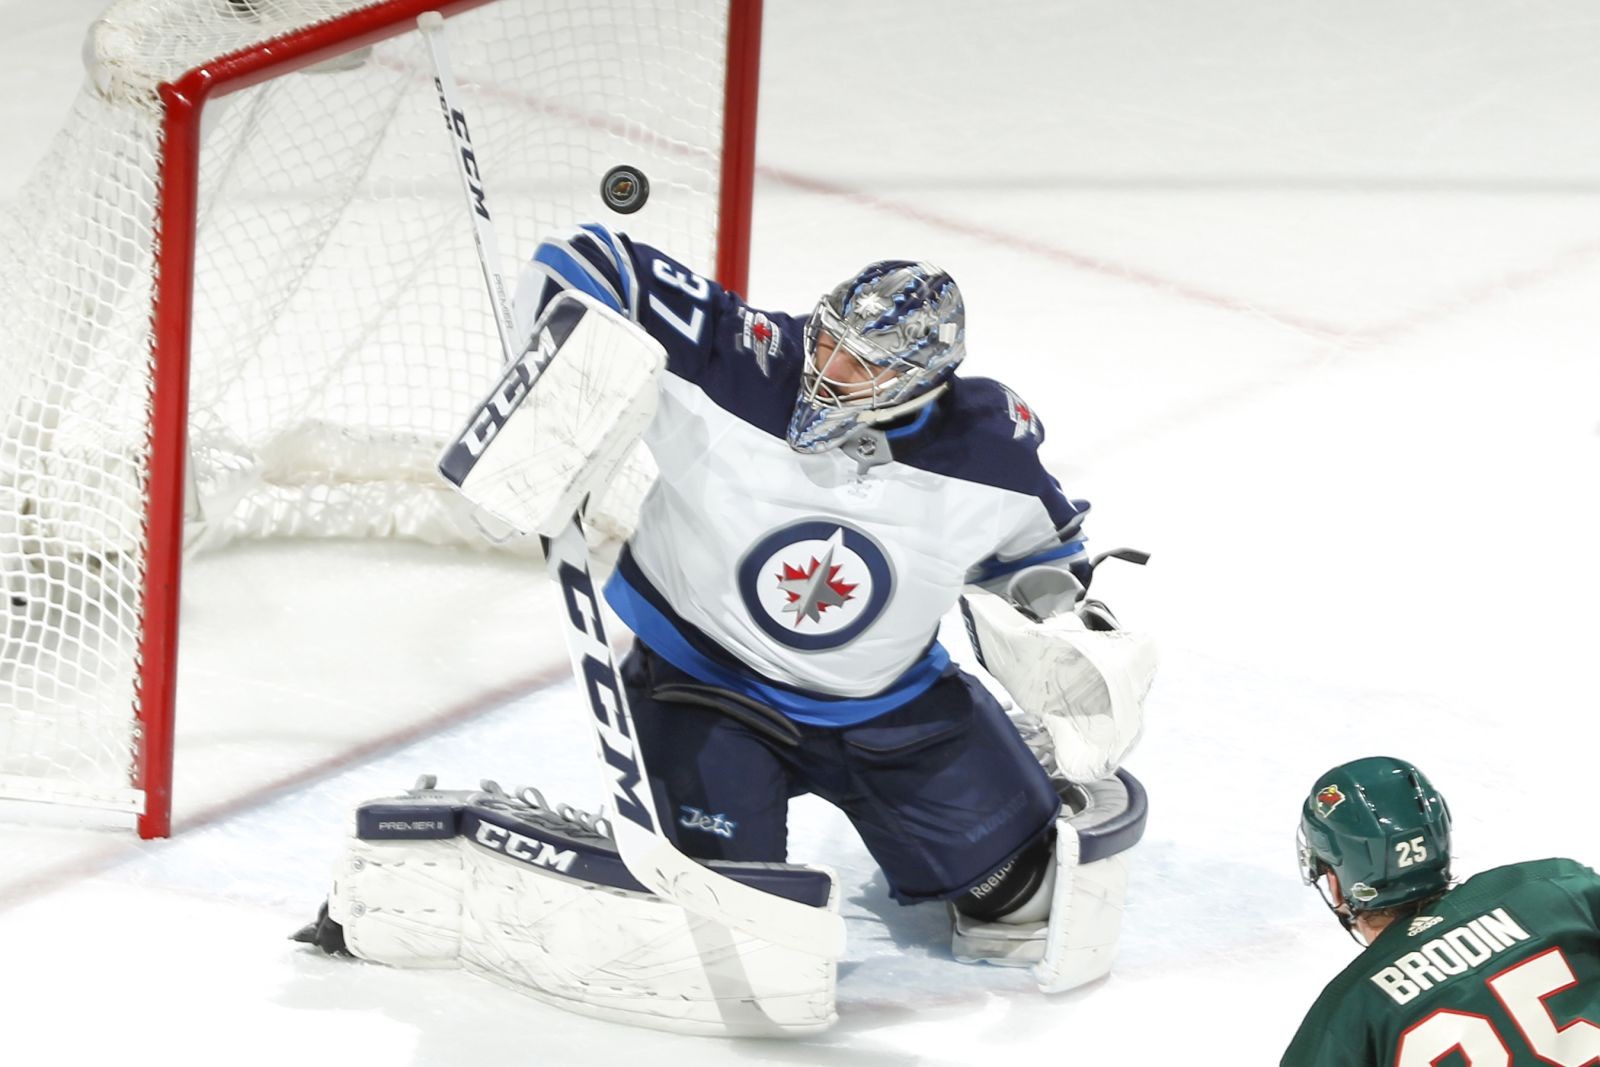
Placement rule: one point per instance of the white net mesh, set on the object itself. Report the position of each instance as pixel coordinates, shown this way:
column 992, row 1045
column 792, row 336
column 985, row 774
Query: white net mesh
column 340, row 327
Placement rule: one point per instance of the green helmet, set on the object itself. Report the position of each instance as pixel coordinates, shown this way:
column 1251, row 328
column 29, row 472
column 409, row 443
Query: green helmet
column 1381, row 829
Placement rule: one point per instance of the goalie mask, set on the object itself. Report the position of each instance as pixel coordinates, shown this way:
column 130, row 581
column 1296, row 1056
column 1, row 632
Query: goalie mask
column 1374, row 833
column 879, row 346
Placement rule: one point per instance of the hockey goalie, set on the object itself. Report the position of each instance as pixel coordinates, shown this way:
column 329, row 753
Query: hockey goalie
column 829, row 488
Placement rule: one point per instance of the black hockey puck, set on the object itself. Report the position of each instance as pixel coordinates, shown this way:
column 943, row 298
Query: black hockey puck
column 624, row 189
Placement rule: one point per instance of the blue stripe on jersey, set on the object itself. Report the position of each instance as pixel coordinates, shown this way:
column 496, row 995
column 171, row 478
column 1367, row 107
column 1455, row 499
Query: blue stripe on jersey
column 913, row 426
column 990, row 569
column 619, row 257
column 656, row 630
column 572, row 272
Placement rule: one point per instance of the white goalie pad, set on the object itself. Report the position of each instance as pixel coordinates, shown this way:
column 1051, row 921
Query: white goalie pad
column 528, row 900
column 1088, row 686
column 1077, row 943
column 562, row 420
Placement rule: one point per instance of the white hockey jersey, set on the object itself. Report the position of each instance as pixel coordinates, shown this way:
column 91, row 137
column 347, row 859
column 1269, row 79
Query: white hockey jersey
column 813, row 583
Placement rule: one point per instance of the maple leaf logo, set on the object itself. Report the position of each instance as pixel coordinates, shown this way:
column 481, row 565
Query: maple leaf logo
column 761, row 331
column 815, row 588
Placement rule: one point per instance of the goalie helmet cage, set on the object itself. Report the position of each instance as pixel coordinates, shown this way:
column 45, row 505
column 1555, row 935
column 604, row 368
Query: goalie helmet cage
column 266, row 317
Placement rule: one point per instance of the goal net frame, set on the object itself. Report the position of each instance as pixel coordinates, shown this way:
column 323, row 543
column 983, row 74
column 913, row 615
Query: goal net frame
column 183, row 100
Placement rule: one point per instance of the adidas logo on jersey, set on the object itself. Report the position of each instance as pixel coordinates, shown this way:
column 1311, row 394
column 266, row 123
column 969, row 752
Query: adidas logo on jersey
column 1421, row 923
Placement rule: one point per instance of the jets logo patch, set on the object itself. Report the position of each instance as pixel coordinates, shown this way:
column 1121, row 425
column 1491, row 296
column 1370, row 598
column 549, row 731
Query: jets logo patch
column 759, row 336
column 1024, row 422
column 815, row 584
column 1328, row 798
column 695, row 819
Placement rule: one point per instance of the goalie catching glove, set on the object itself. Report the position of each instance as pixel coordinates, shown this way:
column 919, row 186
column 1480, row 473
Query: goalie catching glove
column 1081, row 674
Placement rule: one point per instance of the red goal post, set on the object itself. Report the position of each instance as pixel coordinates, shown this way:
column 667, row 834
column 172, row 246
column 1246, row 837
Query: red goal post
column 262, row 226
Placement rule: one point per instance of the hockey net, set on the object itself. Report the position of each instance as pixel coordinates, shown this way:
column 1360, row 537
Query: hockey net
column 338, row 329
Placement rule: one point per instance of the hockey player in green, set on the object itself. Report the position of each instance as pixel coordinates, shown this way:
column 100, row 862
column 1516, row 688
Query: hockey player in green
column 1502, row 969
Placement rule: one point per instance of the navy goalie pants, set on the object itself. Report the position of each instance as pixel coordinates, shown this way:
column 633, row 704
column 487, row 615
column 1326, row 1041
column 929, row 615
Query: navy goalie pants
column 942, row 790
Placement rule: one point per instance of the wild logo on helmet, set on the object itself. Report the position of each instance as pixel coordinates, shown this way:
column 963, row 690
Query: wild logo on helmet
column 1328, row 798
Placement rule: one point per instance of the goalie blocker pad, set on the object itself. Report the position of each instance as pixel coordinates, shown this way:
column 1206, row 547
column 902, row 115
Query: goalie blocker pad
column 1100, row 822
column 538, row 900
column 561, row 420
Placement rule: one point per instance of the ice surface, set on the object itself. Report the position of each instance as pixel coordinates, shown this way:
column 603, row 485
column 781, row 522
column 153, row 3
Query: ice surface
column 1306, row 298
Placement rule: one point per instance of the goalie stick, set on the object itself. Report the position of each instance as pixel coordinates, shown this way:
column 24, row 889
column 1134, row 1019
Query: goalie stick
column 649, row 856
column 431, row 25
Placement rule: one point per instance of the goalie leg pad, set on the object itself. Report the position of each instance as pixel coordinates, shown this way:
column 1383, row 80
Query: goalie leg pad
column 1077, row 943
column 629, row 955
column 401, row 902
column 538, row 901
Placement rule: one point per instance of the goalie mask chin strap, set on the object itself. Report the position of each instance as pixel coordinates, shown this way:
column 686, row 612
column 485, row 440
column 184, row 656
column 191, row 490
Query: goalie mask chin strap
column 869, row 442
column 879, row 416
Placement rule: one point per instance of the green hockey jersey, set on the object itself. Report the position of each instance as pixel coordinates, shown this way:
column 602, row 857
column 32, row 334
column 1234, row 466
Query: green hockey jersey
column 1503, row 969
